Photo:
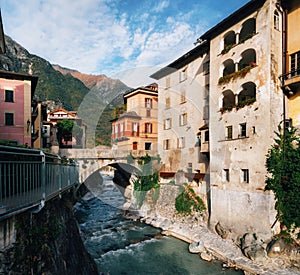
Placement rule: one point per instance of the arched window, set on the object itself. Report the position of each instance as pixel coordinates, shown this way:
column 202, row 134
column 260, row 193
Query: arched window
column 229, row 67
column 248, row 94
column 248, row 30
column 248, row 59
column 276, row 20
column 228, row 99
column 229, row 41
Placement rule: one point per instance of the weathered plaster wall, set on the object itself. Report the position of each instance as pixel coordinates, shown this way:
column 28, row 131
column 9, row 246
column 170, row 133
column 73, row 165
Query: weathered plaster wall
column 232, row 199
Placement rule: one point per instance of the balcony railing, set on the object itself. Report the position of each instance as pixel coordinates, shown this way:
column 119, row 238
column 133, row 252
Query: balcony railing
column 30, row 177
column 290, row 75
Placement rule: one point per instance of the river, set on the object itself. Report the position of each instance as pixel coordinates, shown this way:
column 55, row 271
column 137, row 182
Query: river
column 121, row 246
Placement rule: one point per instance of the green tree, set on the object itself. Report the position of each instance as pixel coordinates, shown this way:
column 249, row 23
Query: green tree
column 284, row 180
column 64, row 130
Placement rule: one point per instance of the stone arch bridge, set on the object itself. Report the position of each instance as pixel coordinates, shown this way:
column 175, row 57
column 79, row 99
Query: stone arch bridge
column 93, row 160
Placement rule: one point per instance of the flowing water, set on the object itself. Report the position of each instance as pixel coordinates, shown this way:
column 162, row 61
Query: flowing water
column 121, row 246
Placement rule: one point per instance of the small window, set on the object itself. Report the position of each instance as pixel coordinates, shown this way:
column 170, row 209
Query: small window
column 167, row 124
column 229, row 132
column 9, row 96
column 226, row 175
column 166, row 144
column 9, row 119
column 148, row 103
column 182, row 97
column 245, row 175
column 190, row 167
column 134, row 145
column 243, row 130
column 276, row 21
column 295, row 64
column 181, row 142
column 168, row 103
column 121, row 128
column 206, row 67
column 148, row 128
column 183, row 75
column 167, row 82
column 148, row 145
column 148, row 112
column 135, row 129
column 183, row 119
column 206, row 136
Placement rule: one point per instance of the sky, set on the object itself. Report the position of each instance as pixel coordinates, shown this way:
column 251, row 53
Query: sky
column 125, row 39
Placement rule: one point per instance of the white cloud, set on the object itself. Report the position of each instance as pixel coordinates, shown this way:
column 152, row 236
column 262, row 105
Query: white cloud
column 97, row 36
column 161, row 6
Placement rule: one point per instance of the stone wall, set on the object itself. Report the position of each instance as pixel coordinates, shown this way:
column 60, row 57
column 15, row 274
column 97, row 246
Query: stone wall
column 47, row 242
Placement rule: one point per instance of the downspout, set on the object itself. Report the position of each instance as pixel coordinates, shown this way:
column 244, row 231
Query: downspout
column 283, row 12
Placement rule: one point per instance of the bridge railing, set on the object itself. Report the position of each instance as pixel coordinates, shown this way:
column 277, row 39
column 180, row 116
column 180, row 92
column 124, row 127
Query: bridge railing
column 29, row 177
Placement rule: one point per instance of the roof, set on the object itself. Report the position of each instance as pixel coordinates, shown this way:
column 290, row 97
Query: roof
column 232, row 19
column 182, row 61
column 130, row 114
column 151, row 89
column 22, row 77
column 61, row 110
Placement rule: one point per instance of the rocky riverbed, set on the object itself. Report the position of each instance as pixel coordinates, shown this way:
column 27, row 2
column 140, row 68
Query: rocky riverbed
column 194, row 230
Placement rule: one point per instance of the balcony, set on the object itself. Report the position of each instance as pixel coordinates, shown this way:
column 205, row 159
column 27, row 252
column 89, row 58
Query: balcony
column 204, row 147
column 292, row 80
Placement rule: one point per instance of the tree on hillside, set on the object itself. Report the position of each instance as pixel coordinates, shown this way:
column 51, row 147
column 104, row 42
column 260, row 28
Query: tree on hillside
column 284, row 180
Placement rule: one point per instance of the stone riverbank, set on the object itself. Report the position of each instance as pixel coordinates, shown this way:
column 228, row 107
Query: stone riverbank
column 162, row 214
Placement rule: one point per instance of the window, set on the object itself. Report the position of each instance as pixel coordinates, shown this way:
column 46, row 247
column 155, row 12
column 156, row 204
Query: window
column 183, row 75
column 121, row 128
column 9, row 96
column 229, row 132
column 276, row 21
column 190, row 167
column 134, row 145
column 148, row 103
column 148, row 128
column 167, row 82
column 166, row 144
column 135, row 129
column 168, row 103
column 167, row 124
column 148, row 112
column 226, row 176
column 295, row 64
column 9, row 119
column 206, row 67
column 181, row 142
column 183, row 119
column 182, row 97
column 242, row 130
column 148, row 145
column 245, row 175
column 206, row 136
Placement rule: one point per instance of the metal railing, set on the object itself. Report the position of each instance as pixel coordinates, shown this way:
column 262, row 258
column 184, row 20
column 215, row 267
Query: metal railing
column 29, row 177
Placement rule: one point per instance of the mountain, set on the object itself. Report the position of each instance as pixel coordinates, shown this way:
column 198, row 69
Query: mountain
column 52, row 85
column 93, row 96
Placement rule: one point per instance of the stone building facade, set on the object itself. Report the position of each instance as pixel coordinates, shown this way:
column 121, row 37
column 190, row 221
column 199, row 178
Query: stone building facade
column 237, row 80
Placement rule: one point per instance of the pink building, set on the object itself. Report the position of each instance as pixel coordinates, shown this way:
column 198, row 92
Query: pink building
column 16, row 94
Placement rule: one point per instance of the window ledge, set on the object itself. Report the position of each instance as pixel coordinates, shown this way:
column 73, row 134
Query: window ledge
column 231, row 139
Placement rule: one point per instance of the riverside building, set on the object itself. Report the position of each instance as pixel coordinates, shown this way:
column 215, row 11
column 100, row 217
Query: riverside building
column 233, row 75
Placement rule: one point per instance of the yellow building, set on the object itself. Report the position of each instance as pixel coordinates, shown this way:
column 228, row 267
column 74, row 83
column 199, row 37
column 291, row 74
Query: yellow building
column 291, row 67
column 136, row 129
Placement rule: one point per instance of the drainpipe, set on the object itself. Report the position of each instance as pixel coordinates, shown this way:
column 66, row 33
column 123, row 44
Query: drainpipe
column 283, row 12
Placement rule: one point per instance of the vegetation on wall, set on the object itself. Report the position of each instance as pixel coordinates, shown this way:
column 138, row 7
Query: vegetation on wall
column 284, row 180
column 147, row 179
column 187, row 202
